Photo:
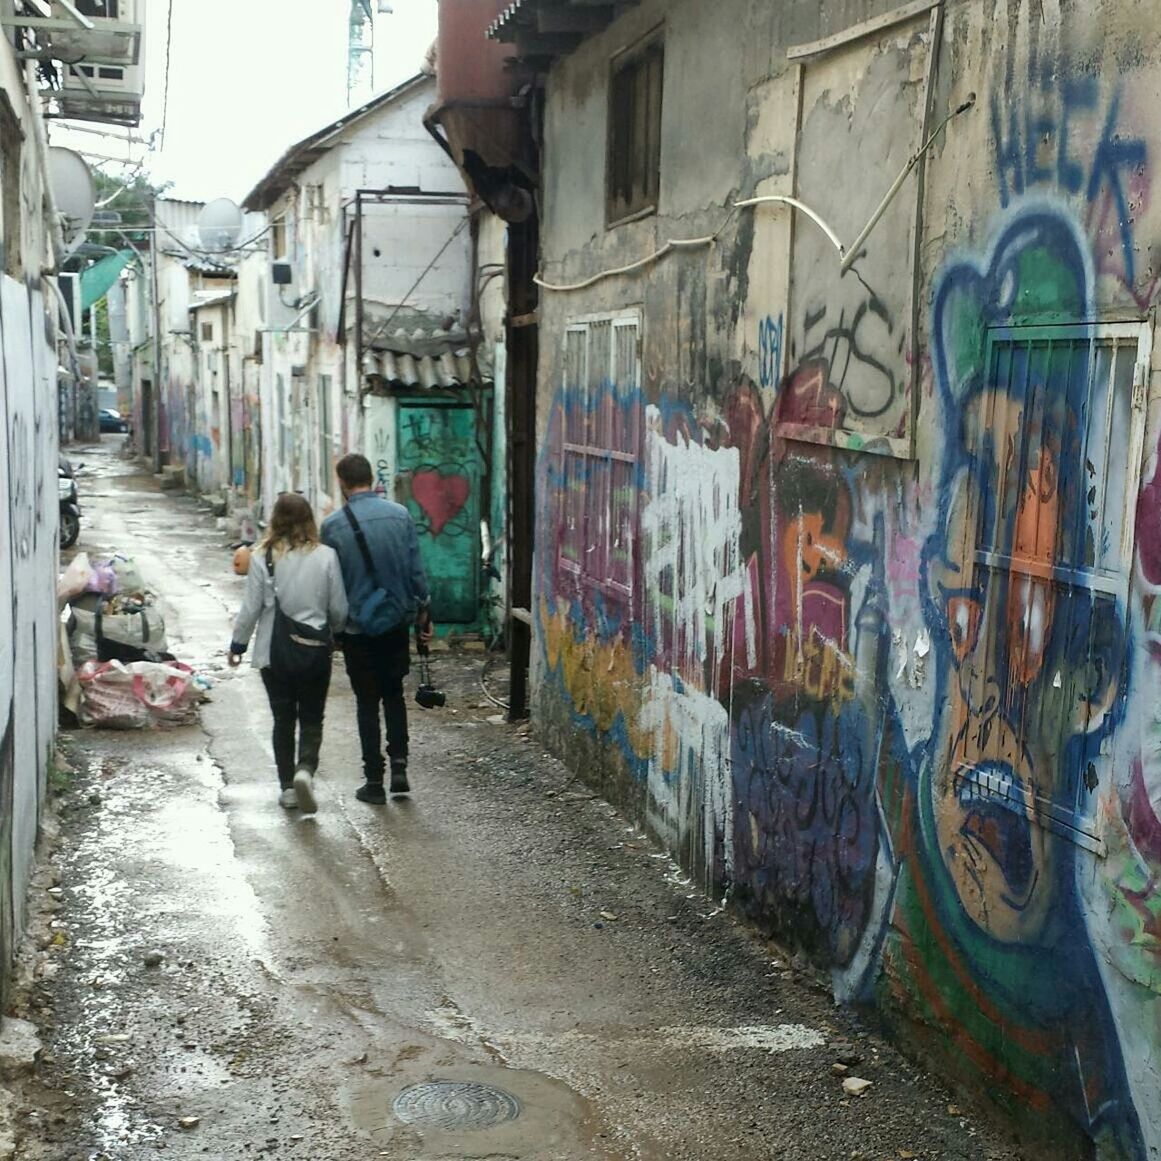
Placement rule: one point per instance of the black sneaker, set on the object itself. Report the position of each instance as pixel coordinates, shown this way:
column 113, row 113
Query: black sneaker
column 372, row 792
column 399, row 783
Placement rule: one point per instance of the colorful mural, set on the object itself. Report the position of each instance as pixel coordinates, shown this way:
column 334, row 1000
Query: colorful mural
column 907, row 715
column 438, row 469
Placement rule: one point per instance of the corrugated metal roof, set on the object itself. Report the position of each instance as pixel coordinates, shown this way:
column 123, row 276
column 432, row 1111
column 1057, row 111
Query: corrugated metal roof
column 426, row 361
column 506, row 17
column 545, row 29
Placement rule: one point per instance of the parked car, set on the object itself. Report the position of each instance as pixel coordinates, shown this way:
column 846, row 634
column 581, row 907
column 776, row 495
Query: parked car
column 112, row 420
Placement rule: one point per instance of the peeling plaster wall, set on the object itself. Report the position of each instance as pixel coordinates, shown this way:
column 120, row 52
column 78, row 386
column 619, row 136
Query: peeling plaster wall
column 846, row 583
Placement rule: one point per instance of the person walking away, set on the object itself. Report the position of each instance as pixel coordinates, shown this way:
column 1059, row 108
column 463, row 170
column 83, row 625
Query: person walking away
column 378, row 549
column 296, row 599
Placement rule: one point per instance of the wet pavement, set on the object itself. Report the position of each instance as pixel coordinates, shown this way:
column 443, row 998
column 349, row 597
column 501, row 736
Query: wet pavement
column 498, row 967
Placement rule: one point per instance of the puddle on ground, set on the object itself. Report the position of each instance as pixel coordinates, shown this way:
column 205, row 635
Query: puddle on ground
column 148, row 818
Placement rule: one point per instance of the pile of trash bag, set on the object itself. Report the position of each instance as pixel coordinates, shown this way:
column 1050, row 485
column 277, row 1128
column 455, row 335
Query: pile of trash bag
column 115, row 666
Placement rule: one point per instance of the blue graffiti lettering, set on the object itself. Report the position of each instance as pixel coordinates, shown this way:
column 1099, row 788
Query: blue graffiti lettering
column 770, row 351
column 1035, row 147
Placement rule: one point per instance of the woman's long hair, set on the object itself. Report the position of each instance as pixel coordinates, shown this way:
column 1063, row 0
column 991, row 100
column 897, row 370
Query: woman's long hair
column 291, row 526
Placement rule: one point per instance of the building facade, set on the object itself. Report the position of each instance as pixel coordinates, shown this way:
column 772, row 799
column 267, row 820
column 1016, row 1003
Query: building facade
column 368, row 344
column 846, row 561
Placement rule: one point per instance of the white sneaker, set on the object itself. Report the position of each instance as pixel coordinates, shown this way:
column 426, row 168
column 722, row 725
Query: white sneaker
column 288, row 799
column 304, row 788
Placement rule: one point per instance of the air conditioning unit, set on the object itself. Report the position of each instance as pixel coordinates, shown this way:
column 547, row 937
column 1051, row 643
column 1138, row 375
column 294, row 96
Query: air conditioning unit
column 102, row 92
column 115, row 37
column 102, row 67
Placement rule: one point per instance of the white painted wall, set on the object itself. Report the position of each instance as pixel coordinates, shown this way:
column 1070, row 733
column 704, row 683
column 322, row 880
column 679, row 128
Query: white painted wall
column 28, row 519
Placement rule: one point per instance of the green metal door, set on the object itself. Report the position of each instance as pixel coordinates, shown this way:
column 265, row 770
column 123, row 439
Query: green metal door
column 438, row 476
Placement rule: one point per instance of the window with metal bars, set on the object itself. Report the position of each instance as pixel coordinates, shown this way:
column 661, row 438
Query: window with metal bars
column 1054, row 439
column 634, row 145
column 600, row 453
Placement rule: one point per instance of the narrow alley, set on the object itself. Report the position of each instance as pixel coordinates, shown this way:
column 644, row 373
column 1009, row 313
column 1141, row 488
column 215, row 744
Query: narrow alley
column 227, row 979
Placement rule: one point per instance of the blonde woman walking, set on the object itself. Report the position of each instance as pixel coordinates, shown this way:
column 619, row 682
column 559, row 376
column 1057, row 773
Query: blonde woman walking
column 296, row 600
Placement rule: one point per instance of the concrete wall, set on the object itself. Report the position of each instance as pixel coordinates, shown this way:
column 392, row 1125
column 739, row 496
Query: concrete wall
column 28, row 524
column 859, row 618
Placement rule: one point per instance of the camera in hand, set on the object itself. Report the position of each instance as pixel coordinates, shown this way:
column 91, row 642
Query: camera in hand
column 429, row 697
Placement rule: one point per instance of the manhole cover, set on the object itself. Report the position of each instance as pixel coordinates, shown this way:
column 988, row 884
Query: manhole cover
column 455, row 1104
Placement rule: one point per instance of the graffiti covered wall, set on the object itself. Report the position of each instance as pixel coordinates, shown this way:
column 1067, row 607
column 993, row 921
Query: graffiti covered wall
column 28, row 561
column 847, row 583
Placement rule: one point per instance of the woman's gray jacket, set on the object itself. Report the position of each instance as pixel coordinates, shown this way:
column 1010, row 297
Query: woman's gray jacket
column 310, row 590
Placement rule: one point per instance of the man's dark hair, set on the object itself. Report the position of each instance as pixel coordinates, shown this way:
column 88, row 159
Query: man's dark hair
column 354, row 471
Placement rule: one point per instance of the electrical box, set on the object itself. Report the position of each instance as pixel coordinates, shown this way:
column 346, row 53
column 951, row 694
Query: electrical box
column 282, row 273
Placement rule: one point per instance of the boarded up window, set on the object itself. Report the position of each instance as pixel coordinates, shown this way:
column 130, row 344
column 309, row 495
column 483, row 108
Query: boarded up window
column 207, row 332
column 1055, row 437
column 599, row 468
column 851, row 376
column 634, row 162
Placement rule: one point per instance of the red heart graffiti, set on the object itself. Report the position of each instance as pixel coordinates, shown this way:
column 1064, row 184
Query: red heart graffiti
column 441, row 497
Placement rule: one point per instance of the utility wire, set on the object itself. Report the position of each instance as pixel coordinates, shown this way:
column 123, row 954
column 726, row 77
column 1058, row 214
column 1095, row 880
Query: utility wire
column 165, row 82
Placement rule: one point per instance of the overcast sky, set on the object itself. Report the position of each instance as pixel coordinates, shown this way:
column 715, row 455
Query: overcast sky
column 248, row 78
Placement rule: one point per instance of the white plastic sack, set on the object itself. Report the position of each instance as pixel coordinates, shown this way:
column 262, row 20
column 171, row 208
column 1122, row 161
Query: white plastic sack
column 127, row 577
column 138, row 695
column 75, row 579
column 144, row 630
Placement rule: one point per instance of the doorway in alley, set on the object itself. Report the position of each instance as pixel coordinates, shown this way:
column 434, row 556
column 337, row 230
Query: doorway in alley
column 439, row 474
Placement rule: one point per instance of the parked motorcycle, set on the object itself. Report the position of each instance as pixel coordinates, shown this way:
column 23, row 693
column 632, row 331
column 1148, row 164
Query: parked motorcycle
column 70, row 507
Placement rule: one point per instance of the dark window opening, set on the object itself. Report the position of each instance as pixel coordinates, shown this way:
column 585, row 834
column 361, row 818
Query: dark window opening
column 11, row 148
column 207, row 332
column 634, row 163
column 105, row 8
column 278, row 237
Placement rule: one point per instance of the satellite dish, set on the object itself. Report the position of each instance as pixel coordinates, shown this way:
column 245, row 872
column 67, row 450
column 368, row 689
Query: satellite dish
column 72, row 191
column 219, row 225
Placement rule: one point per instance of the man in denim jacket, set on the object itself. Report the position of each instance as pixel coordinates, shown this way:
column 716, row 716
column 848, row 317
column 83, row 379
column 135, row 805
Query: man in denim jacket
column 377, row 664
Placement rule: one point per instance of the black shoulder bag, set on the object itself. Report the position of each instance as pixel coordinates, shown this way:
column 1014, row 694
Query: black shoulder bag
column 297, row 651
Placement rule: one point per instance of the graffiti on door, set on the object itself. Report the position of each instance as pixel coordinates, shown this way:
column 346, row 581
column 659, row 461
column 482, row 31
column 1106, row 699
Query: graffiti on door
column 438, row 474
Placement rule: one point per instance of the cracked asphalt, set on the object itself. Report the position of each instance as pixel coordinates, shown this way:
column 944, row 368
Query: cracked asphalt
column 216, row 977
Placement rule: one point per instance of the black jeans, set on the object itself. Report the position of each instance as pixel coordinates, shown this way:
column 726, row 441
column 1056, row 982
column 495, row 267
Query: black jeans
column 377, row 667
column 301, row 705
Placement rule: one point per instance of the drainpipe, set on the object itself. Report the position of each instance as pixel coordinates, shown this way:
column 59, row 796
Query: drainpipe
column 56, row 233
column 229, row 417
